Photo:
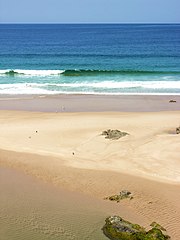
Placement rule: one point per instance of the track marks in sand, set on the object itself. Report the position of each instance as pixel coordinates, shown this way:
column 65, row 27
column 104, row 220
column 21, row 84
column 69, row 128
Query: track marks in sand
column 75, row 139
column 34, row 227
column 160, row 204
column 31, row 209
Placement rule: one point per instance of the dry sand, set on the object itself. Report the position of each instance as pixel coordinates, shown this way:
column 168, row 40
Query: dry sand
column 66, row 149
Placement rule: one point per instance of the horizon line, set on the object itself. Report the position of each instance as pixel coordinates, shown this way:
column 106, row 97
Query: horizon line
column 89, row 22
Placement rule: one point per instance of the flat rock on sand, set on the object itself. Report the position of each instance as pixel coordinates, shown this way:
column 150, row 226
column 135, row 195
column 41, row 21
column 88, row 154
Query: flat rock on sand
column 114, row 134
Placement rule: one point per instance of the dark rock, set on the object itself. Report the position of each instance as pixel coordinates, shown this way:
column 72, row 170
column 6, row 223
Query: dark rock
column 116, row 228
column 113, row 134
column 122, row 195
column 172, row 101
column 178, row 130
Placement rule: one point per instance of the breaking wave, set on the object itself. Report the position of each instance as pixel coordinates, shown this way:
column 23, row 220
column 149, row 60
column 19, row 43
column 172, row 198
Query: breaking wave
column 31, row 72
column 82, row 72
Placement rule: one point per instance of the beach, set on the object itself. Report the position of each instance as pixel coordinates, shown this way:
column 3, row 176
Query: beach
column 57, row 168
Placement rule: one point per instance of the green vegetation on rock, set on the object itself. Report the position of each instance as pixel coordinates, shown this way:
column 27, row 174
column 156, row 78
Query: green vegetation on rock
column 157, row 225
column 116, row 228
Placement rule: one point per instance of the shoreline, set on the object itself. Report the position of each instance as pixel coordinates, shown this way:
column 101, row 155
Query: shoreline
column 90, row 103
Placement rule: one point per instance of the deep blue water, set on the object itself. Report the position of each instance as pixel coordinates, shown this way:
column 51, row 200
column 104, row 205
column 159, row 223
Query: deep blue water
column 90, row 58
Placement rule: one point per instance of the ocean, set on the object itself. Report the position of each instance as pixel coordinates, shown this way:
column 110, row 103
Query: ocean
column 90, row 59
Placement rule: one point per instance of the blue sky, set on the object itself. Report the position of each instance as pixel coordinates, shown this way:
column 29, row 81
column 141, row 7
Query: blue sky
column 73, row 11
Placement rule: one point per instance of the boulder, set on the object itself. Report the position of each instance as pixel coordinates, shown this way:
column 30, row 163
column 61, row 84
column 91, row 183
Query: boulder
column 117, row 228
column 113, row 134
column 122, row 195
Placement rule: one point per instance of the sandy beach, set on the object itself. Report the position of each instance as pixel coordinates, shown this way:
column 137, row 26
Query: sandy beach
column 56, row 167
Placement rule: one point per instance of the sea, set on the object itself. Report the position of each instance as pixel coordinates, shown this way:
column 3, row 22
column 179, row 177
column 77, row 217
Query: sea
column 110, row 59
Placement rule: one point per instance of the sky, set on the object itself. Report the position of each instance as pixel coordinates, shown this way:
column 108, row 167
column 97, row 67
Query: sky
column 89, row 11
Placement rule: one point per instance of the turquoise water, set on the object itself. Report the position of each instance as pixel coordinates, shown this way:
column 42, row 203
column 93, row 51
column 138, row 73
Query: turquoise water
column 90, row 58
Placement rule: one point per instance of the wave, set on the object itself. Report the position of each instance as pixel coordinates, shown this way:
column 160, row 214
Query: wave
column 84, row 72
column 31, row 72
column 113, row 72
column 91, row 55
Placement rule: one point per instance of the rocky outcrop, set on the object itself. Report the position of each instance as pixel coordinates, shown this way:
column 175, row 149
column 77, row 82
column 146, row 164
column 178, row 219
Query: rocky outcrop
column 116, row 228
column 114, row 134
column 122, row 195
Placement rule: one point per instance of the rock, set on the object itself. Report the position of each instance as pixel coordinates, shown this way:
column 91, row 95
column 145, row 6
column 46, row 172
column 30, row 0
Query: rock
column 122, row 195
column 114, row 198
column 117, row 228
column 114, row 134
column 178, row 130
column 172, row 101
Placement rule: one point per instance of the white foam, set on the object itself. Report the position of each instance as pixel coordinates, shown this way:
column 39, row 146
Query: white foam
column 22, row 88
column 105, row 88
column 33, row 72
column 116, row 85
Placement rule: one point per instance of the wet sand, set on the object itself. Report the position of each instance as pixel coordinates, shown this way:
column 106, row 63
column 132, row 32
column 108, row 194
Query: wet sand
column 31, row 209
column 90, row 103
column 56, row 168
